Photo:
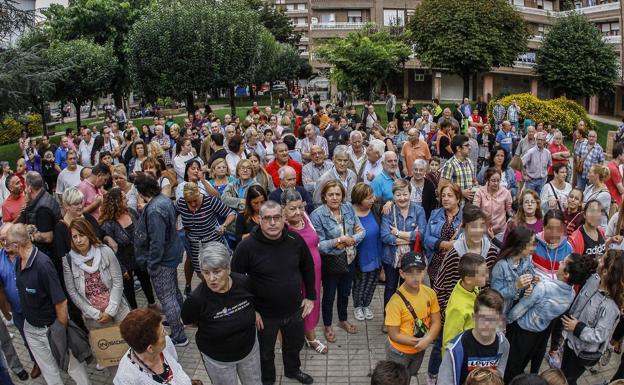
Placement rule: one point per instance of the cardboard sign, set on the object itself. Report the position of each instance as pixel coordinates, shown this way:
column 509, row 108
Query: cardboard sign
column 108, row 345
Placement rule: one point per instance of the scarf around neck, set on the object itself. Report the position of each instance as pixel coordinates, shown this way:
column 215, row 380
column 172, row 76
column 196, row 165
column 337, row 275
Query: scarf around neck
column 81, row 261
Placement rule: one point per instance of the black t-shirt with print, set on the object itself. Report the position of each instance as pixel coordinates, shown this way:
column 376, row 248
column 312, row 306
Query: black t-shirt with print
column 477, row 355
column 226, row 321
column 592, row 247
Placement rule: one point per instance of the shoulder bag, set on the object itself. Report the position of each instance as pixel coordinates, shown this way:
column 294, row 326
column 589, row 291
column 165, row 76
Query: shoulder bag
column 420, row 329
column 335, row 264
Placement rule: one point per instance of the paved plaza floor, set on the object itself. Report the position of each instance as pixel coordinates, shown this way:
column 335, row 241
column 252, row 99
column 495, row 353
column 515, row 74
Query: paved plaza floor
column 350, row 359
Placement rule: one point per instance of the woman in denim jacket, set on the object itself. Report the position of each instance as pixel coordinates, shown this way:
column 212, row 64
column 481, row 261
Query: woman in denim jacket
column 157, row 245
column 93, row 278
column 443, row 228
column 339, row 230
column 514, row 272
column 399, row 229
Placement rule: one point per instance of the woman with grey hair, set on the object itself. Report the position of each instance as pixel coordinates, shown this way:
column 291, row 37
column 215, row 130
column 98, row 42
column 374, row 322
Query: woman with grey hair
column 222, row 308
column 299, row 222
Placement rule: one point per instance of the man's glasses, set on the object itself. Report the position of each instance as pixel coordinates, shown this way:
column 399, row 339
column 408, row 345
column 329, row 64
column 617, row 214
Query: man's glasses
column 271, row 219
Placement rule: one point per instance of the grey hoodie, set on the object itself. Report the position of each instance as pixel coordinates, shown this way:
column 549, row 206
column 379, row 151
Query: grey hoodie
column 597, row 314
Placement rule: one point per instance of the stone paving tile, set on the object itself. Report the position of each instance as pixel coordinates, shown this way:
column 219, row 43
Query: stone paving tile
column 350, row 360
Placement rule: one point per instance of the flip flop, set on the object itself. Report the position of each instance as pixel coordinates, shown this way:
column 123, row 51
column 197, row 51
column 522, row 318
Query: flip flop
column 330, row 335
column 347, row 327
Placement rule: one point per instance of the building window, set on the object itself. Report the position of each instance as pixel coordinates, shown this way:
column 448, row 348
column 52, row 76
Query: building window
column 280, row 1
column 518, row 3
column 354, row 16
column 610, row 28
column 301, row 7
column 328, row 17
column 393, row 17
column 545, row 4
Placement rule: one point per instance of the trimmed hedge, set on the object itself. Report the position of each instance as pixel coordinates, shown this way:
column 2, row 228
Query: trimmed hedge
column 561, row 112
column 11, row 127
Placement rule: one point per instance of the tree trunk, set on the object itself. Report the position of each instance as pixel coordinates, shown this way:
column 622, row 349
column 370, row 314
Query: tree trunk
column 466, row 78
column 232, row 101
column 118, row 98
column 77, row 104
column 43, row 117
column 190, row 103
column 252, row 93
column 271, row 93
column 90, row 109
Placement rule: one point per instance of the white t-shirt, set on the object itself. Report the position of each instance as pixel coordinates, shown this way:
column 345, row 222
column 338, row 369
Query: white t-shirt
column 67, row 179
column 562, row 195
column 84, row 152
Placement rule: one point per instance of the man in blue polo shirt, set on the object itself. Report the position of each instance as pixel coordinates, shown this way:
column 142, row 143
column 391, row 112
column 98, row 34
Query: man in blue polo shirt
column 382, row 184
column 12, row 310
column 505, row 138
column 60, row 155
column 43, row 303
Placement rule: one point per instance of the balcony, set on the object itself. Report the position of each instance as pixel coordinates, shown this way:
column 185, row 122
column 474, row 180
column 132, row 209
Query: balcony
column 615, row 39
column 305, row 54
column 336, row 26
column 300, row 26
column 296, row 11
column 523, row 64
column 535, row 11
column 596, row 8
column 304, row 39
column 343, row 4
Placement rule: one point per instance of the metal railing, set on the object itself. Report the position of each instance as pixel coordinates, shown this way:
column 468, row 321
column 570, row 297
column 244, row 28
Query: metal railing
column 337, row 26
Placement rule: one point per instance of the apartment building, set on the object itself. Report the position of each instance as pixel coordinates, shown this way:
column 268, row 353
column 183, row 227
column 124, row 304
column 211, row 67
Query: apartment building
column 319, row 20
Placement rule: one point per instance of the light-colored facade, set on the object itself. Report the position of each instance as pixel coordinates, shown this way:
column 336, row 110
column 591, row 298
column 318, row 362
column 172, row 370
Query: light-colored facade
column 322, row 19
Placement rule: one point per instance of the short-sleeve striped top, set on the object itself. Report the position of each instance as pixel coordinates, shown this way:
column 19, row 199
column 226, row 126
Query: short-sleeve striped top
column 201, row 225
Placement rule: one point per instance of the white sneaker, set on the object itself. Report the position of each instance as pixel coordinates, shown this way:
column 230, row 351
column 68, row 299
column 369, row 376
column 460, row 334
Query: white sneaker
column 432, row 380
column 358, row 313
column 368, row 313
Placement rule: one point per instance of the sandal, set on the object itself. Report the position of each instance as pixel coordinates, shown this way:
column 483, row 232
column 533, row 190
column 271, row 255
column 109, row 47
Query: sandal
column 317, row 345
column 347, row 327
column 330, row 335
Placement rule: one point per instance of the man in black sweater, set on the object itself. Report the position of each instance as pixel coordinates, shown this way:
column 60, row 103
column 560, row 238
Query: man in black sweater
column 276, row 261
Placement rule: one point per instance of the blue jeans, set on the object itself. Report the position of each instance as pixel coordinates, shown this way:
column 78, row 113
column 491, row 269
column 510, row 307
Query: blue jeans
column 535, row 185
column 435, row 358
column 392, row 283
column 333, row 283
column 5, row 377
column 581, row 182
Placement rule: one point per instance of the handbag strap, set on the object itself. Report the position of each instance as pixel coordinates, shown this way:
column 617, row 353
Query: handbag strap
column 408, row 305
column 556, row 196
column 589, row 151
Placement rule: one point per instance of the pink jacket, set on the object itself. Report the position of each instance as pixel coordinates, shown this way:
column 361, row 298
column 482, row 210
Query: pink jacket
column 495, row 207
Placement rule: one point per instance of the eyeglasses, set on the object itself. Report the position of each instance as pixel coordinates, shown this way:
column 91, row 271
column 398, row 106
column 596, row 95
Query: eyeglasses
column 244, row 168
column 271, row 219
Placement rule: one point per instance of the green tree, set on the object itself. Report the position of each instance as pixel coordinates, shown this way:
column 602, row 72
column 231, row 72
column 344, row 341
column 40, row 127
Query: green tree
column 575, row 60
column 232, row 32
column 91, row 66
column 278, row 61
column 467, row 36
column 104, row 22
column 167, row 52
column 364, row 59
column 13, row 18
column 275, row 20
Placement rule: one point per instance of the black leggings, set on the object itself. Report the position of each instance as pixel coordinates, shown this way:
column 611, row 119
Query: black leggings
column 146, row 285
column 617, row 335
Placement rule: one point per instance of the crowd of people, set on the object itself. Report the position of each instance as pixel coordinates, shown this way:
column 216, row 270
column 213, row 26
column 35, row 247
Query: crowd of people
column 496, row 244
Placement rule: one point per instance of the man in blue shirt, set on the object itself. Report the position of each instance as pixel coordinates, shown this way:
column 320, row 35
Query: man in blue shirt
column 60, row 156
column 12, row 310
column 382, row 184
column 505, row 138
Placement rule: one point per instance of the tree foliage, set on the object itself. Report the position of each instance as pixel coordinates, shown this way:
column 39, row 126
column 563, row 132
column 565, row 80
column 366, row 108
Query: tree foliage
column 575, row 60
column 364, row 59
column 275, row 20
column 13, row 19
column 104, row 22
column 178, row 48
column 467, row 36
column 88, row 77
